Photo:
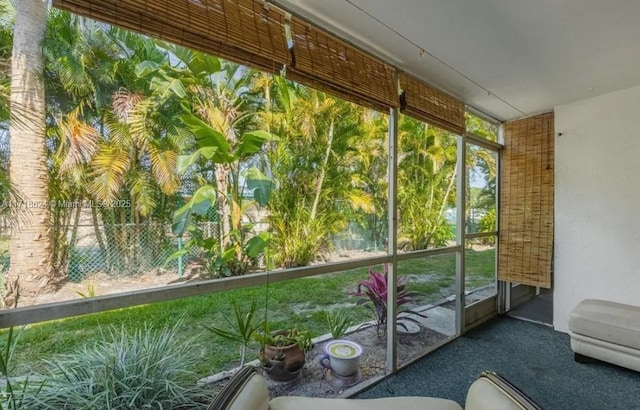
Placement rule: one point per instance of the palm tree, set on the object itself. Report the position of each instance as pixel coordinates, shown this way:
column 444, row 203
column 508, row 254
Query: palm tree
column 226, row 157
column 426, row 183
column 74, row 96
column 315, row 191
column 108, row 120
column 481, row 170
column 30, row 247
column 112, row 136
column 372, row 175
column 6, row 44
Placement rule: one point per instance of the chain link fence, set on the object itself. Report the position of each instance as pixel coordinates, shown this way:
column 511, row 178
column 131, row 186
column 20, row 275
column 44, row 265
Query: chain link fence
column 117, row 249
column 120, row 250
column 356, row 237
column 126, row 250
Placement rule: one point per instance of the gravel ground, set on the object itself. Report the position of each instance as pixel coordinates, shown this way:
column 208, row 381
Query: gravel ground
column 313, row 382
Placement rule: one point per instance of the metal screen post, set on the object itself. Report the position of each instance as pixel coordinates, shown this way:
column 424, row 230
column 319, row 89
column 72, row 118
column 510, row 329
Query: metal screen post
column 392, row 249
column 461, row 233
column 180, row 257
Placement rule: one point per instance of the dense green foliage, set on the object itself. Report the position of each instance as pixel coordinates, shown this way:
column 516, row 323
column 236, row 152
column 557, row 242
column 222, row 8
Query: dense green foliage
column 156, row 126
column 142, row 369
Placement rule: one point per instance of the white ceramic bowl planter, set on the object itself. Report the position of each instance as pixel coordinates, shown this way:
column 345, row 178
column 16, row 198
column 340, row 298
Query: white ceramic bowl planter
column 341, row 356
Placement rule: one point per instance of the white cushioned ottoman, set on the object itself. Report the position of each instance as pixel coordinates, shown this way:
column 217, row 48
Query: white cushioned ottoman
column 606, row 331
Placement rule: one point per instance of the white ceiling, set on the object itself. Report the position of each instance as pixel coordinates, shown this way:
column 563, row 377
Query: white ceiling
column 506, row 58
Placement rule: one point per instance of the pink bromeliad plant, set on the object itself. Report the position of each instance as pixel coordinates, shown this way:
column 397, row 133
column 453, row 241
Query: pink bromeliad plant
column 375, row 290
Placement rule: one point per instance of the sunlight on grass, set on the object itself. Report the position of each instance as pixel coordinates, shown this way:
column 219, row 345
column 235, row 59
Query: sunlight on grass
column 299, row 302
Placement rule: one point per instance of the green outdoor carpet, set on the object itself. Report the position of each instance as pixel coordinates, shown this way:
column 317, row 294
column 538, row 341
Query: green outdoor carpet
column 534, row 357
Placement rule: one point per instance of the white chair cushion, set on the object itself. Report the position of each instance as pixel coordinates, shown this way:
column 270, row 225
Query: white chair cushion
column 493, row 392
column 391, row 403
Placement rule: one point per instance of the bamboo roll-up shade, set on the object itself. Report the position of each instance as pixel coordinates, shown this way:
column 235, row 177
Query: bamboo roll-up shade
column 245, row 31
column 431, row 105
column 526, row 202
column 328, row 64
column 335, row 91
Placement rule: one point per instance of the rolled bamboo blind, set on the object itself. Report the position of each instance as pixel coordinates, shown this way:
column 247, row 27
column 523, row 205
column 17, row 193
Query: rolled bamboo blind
column 245, row 31
column 526, row 207
column 431, row 105
column 329, row 64
column 252, row 33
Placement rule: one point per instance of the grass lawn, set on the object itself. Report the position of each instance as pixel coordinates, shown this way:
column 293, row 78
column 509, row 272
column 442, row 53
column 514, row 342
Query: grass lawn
column 301, row 302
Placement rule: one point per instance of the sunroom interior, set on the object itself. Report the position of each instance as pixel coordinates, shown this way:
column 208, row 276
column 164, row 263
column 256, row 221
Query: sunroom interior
column 552, row 85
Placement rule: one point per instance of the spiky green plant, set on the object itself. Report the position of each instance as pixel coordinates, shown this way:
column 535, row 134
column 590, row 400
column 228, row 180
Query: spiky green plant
column 146, row 369
column 91, row 291
column 242, row 330
column 339, row 322
column 14, row 390
column 11, row 395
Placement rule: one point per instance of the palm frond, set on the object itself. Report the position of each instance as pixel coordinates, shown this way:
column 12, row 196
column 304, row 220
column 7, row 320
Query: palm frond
column 79, row 140
column 117, row 132
column 5, row 92
column 65, row 46
column 123, row 102
column 143, row 191
column 220, row 115
column 7, row 13
column 6, row 45
column 360, row 200
column 163, row 167
column 110, row 166
column 140, row 126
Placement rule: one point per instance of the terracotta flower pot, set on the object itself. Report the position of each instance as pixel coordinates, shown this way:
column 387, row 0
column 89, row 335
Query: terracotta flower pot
column 291, row 356
column 277, row 371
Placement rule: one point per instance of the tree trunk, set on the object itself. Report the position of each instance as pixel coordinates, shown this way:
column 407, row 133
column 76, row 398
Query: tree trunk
column 224, row 208
column 452, row 181
column 31, row 250
column 96, row 228
column 74, row 229
column 323, row 171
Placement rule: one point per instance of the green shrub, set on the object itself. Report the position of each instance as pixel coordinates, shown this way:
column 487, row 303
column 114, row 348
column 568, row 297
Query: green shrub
column 242, row 330
column 13, row 390
column 488, row 223
column 146, row 369
column 297, row 238
column 339, row 322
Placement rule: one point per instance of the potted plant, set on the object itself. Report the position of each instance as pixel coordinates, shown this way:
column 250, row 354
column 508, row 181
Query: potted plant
column 341, row 356
column 374, row 291
column 339, row 323
column 242, row 330
column 283, row 352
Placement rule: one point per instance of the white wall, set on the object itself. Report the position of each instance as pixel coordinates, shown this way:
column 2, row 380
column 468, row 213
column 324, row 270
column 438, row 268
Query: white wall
column 597, row 202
